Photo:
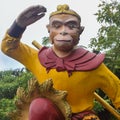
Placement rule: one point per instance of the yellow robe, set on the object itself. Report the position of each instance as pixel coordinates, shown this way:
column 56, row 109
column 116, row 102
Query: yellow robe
column 80, row 86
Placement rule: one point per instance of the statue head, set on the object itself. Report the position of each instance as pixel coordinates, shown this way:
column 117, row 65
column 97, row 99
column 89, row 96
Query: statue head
column 64, row 28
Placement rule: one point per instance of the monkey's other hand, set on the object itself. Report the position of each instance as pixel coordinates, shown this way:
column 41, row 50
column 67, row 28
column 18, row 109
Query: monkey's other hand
column 30, row 15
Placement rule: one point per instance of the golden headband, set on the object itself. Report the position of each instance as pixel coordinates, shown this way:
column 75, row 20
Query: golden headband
column 64, row 9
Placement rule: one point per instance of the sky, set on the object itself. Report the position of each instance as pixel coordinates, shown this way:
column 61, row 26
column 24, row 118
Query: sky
column 10, row 9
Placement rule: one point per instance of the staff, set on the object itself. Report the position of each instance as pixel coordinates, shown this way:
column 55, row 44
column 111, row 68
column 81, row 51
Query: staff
column 107, row 106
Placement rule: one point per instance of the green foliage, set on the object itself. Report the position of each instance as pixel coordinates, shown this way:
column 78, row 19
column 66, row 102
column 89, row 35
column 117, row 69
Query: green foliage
column 10, row 80
column 6, row 105
column 109, row 13
column 98, row 107
column 108, row 36
column 46, row 41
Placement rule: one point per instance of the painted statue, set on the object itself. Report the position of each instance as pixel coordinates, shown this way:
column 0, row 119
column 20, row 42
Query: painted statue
column 72, row 69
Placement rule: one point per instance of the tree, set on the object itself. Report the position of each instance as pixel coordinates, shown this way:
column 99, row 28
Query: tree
column 108, row 36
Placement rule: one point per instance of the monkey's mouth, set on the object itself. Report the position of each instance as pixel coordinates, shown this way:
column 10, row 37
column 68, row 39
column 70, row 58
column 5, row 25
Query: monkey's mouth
column 64, row 41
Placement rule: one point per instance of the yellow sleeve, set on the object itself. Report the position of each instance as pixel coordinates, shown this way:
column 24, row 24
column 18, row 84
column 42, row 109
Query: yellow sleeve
column 23, row 53
column 110, row 85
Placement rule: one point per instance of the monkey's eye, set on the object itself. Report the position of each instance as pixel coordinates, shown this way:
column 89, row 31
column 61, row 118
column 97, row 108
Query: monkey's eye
column 56, row 24
column 72, row 24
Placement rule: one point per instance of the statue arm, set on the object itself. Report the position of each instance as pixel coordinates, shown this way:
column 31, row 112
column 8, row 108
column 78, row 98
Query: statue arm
column 11, row 44
column 110, row 84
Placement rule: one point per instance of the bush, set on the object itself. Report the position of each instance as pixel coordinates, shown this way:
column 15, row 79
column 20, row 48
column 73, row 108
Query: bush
column 10, row 80
column 6, row 106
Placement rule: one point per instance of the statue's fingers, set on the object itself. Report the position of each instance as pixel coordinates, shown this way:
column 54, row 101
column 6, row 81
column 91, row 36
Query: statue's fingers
column 42, row 9
column 32, row 10
column 36, row 9
column 39, row 10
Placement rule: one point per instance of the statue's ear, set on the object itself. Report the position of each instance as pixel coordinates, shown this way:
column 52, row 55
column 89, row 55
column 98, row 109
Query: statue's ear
column 81, row 29
column 48, row 27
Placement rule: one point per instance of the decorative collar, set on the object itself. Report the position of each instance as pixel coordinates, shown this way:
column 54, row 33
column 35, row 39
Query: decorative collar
column 79, row 60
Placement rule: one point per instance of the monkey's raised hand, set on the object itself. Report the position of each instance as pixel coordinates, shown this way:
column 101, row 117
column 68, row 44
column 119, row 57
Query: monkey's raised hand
column 30, row 15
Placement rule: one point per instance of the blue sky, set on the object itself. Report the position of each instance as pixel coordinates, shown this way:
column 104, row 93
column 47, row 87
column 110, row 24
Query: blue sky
column 9, row 9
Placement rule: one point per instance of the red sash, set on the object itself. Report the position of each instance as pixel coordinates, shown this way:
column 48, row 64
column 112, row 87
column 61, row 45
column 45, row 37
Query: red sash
column 79, row 60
